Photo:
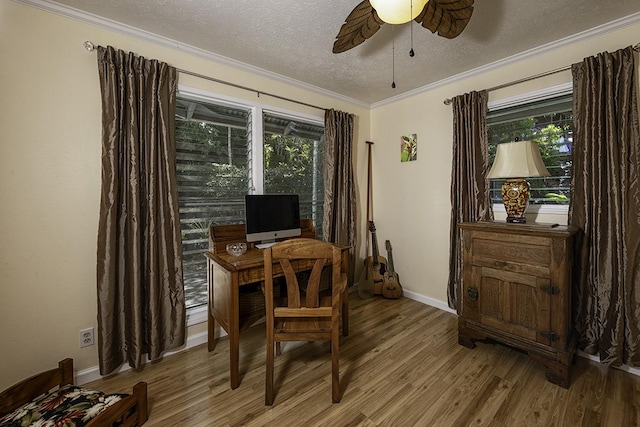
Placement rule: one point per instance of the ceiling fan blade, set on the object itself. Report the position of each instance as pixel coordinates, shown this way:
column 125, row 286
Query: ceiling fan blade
column 362, row 23
column 446, row 17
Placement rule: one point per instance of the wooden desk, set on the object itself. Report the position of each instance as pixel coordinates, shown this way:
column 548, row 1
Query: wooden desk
column 227, row 275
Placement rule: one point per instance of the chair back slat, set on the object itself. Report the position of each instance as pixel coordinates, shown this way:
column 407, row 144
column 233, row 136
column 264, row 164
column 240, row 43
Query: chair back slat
column 313, row 284
column 293, row 289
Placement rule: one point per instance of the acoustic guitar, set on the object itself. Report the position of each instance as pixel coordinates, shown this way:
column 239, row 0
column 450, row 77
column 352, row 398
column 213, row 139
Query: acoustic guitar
column 391, row 287
column 375, row 267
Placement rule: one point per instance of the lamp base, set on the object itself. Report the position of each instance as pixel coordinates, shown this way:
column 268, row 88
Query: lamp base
column 515, row 196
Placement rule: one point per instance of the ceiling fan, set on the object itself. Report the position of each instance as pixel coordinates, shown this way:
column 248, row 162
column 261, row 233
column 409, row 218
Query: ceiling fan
column 446, row 17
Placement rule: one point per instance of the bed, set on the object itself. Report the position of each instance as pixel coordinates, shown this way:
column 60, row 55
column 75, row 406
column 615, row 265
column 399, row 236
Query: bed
column 51, row 398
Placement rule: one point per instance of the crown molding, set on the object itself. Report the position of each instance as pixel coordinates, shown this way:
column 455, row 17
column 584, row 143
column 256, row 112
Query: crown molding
column 108, row 24
column 69, row 12
column 576, row 38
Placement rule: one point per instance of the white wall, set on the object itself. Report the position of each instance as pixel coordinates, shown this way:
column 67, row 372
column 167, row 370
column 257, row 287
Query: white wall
column 50, row 150
column 412, row 200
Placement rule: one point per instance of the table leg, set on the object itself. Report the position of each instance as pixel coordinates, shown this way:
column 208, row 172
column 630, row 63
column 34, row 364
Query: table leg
column 211, row 321
column 234, row 333
column 234, row 367
column 345, row 295
column 211, row 326
column 345, row 312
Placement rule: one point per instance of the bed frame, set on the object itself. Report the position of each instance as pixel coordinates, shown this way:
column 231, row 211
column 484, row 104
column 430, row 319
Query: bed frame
column 130, row 411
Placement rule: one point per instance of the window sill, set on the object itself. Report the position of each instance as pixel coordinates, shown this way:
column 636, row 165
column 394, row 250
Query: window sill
column 196, row 315
column 537, row 209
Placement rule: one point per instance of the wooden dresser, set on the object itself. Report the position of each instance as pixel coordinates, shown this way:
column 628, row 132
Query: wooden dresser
column 517, row 290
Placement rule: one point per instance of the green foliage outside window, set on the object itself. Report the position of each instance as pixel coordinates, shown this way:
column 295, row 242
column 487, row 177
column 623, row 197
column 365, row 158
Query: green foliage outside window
column 288, row 162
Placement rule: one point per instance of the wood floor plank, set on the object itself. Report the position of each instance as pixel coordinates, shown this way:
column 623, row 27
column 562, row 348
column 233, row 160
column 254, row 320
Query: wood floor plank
column 401, row 365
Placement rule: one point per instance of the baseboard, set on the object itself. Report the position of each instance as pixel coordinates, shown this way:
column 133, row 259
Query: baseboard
column 625, row 368
column 442, row 305
column 93, row 373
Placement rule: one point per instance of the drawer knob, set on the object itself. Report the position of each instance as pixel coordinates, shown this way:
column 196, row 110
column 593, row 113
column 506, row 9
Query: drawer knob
column 473, row 294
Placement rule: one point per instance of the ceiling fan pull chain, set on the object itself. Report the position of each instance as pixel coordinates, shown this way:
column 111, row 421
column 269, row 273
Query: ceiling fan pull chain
column 393, row 58
column 411, row 52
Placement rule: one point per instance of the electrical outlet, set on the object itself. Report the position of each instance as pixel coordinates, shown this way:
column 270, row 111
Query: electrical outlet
column 86, row 337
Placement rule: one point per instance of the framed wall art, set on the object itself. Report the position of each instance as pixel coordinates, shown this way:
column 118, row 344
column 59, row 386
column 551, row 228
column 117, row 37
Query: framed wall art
column 409, row 148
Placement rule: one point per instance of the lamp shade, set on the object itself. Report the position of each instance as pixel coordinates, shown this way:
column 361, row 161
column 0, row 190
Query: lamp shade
column 520, row 159
column 398, row 11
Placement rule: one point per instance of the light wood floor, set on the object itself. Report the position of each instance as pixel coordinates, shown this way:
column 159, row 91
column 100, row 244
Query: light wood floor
column 401, row 365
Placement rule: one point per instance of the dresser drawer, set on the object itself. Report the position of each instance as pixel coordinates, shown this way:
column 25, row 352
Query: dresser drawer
column 511, row 248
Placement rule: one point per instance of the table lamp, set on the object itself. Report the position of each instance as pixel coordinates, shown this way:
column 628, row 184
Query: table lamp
column 516, row 161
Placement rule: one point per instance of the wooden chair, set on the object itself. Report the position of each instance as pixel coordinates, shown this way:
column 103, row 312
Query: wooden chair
column 305, row 314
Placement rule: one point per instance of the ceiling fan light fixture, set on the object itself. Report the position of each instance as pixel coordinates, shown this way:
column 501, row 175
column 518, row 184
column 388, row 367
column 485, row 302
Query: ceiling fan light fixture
column 398, row 11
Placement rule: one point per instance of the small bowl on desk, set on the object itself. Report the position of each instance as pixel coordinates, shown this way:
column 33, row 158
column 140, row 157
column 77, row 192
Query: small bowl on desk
column 236, row 249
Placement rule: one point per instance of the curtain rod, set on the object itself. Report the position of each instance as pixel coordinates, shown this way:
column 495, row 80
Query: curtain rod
column 448, row 101
column 89, row 46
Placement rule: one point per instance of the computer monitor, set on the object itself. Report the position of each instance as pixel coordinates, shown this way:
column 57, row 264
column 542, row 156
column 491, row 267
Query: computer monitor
column 271, row 216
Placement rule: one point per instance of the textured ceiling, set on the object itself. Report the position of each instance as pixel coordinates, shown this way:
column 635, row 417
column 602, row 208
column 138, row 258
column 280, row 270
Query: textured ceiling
column 294, row 38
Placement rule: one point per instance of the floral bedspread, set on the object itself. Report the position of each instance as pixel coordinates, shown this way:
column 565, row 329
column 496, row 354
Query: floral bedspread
column 69, row 406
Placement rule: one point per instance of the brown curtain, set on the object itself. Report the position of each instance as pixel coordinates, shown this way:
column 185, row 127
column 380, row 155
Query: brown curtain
column 339, row 222
column 469, row 183
column 605, row 205
column 141, row 308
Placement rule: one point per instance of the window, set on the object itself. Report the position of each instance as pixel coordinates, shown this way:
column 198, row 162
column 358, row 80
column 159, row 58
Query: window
column 219, row 161
column 547, row 121
column 293, row 153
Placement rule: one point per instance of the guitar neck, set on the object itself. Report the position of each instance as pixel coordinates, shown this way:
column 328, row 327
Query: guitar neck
column 389, row 258
column 374, row 247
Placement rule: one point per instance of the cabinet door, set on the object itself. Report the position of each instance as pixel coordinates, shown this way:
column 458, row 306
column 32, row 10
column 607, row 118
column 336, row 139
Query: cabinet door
column 511, row 302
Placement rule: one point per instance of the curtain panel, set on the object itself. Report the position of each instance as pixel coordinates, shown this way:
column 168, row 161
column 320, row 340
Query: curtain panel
column 141, row 306
column 605, row 205
column 339, row 222
column 469, row 183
